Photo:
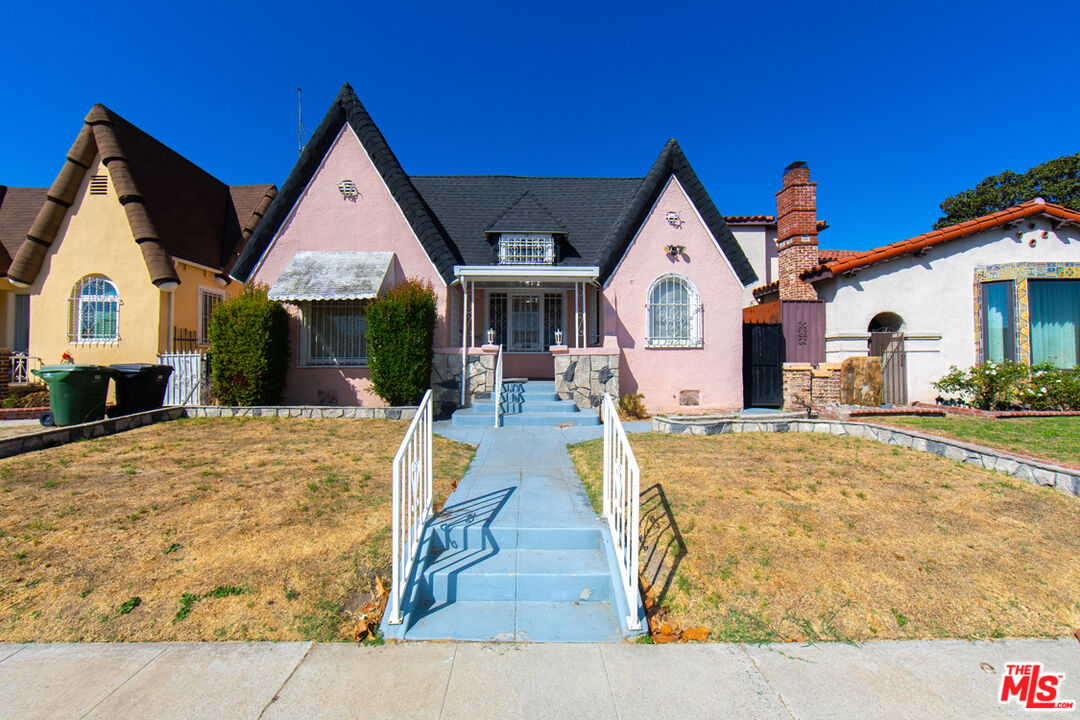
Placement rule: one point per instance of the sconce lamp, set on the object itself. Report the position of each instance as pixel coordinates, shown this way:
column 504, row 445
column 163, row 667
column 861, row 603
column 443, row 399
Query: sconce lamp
column 558, row 336
column 491, row 336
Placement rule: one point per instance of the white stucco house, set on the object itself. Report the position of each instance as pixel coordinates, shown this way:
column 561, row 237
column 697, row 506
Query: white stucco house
column 1002, row 286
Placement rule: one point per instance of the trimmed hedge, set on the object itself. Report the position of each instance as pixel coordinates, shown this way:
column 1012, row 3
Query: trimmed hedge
column 400, row 330
column 249, row 349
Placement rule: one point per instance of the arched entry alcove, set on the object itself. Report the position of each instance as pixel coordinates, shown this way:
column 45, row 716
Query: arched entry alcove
column 887, row 342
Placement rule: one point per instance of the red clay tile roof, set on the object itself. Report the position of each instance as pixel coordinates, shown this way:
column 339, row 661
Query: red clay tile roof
column 767, row 288
column 1037, row 206
column 18, row 208
column 825, row 256
column 762, row 220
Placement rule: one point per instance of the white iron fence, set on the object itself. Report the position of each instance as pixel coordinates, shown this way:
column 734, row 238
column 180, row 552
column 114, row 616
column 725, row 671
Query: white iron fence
column 189, row 377
column 497, row 395
column 622, row 489
column 411, row 503
column 21, row 365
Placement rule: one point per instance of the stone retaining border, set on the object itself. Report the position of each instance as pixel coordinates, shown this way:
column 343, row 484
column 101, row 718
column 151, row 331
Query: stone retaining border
column 303, row 411
column 50, row 437
column 1064, row 478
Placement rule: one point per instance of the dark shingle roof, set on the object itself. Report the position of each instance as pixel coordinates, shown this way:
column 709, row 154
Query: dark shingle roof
column 18, row 208
column 347, row 108
column 594, row 218
column 470, row 206
column 175, row 208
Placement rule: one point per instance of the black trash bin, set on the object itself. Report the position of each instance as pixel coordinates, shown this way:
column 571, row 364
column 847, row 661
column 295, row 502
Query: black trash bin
column 139, row 387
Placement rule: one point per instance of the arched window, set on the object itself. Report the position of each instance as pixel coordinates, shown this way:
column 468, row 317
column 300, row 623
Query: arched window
column 674, row 313
column 94, row 311
column 885, row 322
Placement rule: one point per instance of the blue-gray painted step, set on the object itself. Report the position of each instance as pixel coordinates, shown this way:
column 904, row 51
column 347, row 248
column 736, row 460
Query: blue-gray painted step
column 533, row 406
column 473, row 620
column 523, row 575
column 469, row 417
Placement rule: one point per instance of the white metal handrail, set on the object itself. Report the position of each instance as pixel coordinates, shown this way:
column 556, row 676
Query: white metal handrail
column 497, row 396
column 21, row 365
column 622, row 489
column 412, row 492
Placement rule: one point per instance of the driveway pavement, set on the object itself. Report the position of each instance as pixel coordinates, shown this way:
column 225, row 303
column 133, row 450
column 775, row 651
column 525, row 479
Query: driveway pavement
column 909, row 680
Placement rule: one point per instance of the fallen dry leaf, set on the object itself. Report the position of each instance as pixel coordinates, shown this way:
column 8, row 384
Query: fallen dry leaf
column 696, row 633
column 665, row 638
column 368, row 609
column 1077, row 634
column 380, row 590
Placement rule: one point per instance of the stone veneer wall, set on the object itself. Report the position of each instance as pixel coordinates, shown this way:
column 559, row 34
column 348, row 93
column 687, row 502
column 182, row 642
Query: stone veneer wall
column 302, row 411
column 446, row 380
column 585, row 378
column 814, row 384
column 1065, row 479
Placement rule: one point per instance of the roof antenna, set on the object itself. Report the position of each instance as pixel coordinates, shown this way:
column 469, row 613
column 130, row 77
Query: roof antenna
column 300, row 120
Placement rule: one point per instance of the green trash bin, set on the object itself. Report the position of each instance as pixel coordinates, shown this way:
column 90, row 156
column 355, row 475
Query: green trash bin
column 140, row 387
column 76, row 393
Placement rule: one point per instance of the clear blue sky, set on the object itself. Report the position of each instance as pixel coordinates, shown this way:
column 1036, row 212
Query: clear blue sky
column 895, row 106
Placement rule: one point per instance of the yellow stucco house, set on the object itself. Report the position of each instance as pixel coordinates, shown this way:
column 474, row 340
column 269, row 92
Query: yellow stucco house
column 131, row 248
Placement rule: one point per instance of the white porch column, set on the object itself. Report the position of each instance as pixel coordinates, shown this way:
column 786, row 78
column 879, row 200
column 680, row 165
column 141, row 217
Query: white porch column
column 464, row 331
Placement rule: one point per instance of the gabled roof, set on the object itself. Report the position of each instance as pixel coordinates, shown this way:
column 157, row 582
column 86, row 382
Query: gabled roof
column 468, row 207
column 527, row 215
column 175, row 209
column 18, row 208
column 919, row 243
column 346, row 108
column 453, row 215
column 671, row 161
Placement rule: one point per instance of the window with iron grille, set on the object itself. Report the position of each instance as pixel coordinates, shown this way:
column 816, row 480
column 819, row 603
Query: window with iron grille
column 333, row 333
column 93, row 311
column 526, row 249
column 208, row 300
column 593, row 311
column 674, row 313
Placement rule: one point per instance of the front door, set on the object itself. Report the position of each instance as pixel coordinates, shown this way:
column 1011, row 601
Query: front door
column 525, row 322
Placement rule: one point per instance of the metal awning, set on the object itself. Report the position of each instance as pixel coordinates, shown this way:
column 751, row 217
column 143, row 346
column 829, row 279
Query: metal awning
column 517, row 273
column 333, row 275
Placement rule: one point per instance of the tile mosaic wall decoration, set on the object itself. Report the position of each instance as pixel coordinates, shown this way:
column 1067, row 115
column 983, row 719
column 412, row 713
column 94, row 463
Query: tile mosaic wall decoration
column 1020, row 274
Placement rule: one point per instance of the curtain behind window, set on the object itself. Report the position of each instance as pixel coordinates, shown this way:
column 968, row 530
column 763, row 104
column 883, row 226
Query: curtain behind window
column 997, row 309
column 1055, row 321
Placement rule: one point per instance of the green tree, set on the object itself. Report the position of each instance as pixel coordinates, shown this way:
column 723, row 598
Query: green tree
column 1056, row 181
column 400, row 330
column 249, row 349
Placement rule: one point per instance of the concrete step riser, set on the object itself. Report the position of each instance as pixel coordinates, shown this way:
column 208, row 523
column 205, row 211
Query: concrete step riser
column 454, row 586
column 542, row 406
column 478, row 537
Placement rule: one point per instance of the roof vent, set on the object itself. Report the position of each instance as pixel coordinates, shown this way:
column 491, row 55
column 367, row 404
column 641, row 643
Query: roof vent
column 347, row 188
column 99, row 185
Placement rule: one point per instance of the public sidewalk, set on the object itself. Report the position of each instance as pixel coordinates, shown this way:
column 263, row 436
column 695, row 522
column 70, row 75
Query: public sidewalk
column 908, row 680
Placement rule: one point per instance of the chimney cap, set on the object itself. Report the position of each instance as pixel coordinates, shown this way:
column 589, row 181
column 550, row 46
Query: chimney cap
column 797, row 165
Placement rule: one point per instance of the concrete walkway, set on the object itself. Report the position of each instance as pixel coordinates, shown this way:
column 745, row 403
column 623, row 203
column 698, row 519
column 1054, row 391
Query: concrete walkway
column 909, row 680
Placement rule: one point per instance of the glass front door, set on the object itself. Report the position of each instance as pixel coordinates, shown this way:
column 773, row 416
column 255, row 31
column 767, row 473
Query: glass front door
column 525, row 322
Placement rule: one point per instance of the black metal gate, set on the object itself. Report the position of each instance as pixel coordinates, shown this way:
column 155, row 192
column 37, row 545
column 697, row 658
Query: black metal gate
column 763, row 365
column 889, row 346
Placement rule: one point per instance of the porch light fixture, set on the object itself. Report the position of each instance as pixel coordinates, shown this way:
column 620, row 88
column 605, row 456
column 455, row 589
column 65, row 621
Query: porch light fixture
column 673, row 218
column 558, row 336
column 674, row 250
column 491, row 336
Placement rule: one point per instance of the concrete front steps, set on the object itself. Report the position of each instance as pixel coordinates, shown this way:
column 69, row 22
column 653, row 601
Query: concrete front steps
column 532, row 403
column 480, row 582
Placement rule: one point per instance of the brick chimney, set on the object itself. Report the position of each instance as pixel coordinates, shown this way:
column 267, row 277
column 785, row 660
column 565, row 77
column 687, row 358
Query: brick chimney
column 796, row 232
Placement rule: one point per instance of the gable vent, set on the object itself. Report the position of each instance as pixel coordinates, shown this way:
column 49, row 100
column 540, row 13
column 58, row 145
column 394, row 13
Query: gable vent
column 348, row 189
column 99, row 185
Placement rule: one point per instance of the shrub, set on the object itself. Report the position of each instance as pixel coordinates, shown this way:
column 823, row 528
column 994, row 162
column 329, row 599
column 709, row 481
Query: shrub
column 400, row 329
column 249, row 343
column 988, row 385
column 1052, row 388
column 631, row 407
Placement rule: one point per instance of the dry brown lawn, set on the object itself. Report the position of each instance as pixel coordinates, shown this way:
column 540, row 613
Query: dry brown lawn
column 808, row 537
column 224, row 529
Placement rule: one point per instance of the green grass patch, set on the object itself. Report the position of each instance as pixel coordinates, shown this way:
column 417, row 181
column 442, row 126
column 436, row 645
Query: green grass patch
column 1054, row 438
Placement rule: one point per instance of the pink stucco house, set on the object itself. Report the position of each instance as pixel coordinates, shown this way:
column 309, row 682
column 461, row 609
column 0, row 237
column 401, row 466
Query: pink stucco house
column 605, row 284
